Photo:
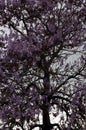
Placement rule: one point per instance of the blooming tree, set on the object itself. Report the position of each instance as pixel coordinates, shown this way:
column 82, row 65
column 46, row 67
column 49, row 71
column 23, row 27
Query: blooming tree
column 43, row 64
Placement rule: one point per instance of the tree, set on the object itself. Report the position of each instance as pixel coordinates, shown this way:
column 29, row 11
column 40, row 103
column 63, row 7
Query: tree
column 37, row 73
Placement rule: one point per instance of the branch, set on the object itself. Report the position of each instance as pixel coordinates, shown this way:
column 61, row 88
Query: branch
column 64, row 82
column 67, row 79
column 60, row 97
column 33, row 84
column 63, row 107
column 55, row 53
column 41, row 126
column 37, row 125
column 25, row 24
column 13, row 26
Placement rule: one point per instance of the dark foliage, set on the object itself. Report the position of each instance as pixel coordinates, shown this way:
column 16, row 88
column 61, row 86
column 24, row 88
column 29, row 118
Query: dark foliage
column 43, row 64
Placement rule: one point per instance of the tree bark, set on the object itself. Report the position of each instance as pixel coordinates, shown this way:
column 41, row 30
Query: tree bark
column 46, row 119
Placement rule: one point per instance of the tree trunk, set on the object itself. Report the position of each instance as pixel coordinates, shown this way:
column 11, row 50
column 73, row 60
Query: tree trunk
column 46, row 119
column 45, row 105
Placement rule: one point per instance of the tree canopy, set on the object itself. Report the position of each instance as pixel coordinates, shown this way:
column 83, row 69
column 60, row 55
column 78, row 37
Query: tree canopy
column 43, row 64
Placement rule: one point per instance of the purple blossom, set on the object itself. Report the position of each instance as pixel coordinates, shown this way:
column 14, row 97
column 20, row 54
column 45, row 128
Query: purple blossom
column 35, row 69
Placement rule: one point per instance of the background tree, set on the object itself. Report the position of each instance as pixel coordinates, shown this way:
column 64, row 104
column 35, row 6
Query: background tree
column 43, row 64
